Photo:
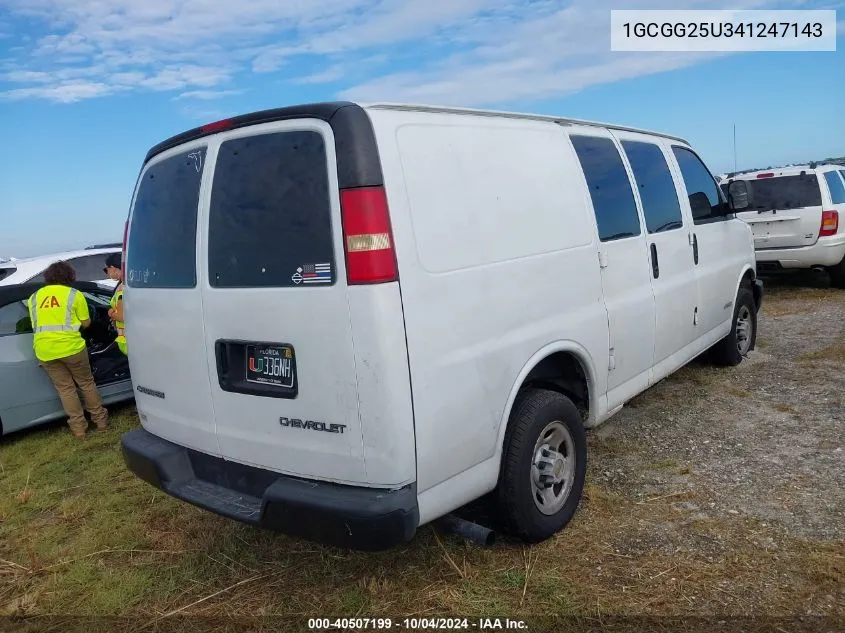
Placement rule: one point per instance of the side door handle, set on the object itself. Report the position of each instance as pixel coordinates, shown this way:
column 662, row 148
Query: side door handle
column 695, row 248
column 655, row 265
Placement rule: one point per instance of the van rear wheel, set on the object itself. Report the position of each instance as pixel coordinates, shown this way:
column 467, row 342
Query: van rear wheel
column 544, row 465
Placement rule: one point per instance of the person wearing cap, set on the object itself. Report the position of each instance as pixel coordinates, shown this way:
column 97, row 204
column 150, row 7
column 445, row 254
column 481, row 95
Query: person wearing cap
column 114, row 269
column 57, row 313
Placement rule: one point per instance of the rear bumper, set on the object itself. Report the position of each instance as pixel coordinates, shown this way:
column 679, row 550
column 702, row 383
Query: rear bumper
column 827, row 251
column 333, row 514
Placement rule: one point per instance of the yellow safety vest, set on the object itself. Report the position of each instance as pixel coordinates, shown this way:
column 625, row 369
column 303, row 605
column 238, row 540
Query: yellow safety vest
column 57, row 312
column 119, row 325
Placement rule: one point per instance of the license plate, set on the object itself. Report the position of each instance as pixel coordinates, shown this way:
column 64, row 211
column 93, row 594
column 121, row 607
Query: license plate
column 271, row 365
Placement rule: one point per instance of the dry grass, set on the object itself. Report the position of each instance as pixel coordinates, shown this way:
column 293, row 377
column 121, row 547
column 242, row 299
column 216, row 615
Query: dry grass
column 93, row 540
column 783, row 299
column 834, row 353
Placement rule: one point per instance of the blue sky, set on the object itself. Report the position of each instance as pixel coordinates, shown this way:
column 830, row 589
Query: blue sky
column 87, row 86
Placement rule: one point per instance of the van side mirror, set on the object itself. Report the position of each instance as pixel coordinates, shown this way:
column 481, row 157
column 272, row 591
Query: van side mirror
column 739, row 195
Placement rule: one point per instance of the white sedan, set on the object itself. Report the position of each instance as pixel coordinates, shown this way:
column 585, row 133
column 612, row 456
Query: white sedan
column 89, row 265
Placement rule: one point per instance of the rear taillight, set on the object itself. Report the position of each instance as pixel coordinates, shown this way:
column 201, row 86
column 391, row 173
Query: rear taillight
column 830, row 223
column 123, row 256
column 766, row 175
column 367, row 236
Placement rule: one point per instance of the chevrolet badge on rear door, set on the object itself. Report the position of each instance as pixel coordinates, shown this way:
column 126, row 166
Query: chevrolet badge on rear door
column 311, row 425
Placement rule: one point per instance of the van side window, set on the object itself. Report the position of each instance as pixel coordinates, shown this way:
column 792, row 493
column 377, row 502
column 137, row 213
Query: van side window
column 704, row 198
column 837, row 189
column 270, row 217
column 610, row 188
column 162, row 247
column 661, row 207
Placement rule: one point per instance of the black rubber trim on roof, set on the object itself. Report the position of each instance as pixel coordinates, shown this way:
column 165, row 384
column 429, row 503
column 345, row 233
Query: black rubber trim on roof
column 358, row 162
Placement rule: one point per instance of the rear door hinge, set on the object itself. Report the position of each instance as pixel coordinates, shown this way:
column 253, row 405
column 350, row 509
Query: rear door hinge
column 602, row 259
column 611, row 365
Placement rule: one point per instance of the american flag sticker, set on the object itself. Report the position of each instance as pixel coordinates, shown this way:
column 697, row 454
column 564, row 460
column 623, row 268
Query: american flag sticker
column 316, row 273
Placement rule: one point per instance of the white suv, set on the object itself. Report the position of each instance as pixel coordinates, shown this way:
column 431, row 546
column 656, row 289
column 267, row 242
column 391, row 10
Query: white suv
column 89, row 265
column 796, row 215
column 347, row 322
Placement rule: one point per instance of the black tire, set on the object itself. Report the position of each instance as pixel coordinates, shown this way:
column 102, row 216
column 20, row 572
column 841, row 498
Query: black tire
column 837, row 275
column 727, row 352
column 533, row 411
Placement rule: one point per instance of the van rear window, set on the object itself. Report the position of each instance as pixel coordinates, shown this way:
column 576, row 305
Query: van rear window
column 270, row 216
column 5, row 272
column 786, row 192
column 161, row 252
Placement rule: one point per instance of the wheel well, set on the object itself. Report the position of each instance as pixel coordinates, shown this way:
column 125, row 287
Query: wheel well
column 748, row 281
column 562, row 372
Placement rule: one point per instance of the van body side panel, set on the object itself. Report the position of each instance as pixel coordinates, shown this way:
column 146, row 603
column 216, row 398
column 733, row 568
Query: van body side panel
column 496, row 258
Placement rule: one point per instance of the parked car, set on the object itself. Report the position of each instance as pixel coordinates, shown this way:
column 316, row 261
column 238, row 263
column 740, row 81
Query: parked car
column 27, row 397
column 391, row 311
column 795, row 214
column 89, row 265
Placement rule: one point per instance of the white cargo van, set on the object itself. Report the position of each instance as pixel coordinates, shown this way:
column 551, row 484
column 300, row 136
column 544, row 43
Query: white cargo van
column 795, row 214
column 348, row 321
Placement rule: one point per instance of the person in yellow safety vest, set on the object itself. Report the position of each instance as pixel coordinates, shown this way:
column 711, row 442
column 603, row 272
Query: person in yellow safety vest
column 115, row 271
column 57, row 312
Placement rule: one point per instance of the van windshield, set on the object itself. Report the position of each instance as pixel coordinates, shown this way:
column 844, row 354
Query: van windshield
column 6, row 271
column 786, row 192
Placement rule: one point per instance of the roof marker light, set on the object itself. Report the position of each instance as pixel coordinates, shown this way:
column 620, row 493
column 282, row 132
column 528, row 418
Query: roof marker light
column 217, row 126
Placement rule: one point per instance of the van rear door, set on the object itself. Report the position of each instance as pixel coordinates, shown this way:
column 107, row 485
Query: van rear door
column 164, row 318
column 278, row 332
column 787, row 210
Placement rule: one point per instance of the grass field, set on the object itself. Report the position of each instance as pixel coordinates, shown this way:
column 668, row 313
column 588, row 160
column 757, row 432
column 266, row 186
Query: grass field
column 81, row 535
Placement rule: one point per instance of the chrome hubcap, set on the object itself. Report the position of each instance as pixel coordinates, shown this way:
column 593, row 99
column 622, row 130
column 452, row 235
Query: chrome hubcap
column 553, row 468
column 744, row 327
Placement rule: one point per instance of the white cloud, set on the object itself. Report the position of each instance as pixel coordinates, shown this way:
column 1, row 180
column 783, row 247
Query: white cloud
column 178, row 77
column 468, row 52
column 208, row 95
column 204, row 115
column 329, row 75
column 27, row 76
column 550, row 52
column 63, row 93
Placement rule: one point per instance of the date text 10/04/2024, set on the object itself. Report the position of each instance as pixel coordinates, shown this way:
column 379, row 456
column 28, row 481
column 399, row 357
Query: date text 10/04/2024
column 417, row 624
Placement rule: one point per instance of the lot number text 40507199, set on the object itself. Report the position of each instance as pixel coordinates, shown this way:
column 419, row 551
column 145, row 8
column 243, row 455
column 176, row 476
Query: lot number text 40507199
column 418, row 624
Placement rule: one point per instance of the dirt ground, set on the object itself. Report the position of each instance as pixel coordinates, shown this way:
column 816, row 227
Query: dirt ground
column 764, row 440
column 718, row 493
column 756, row 452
